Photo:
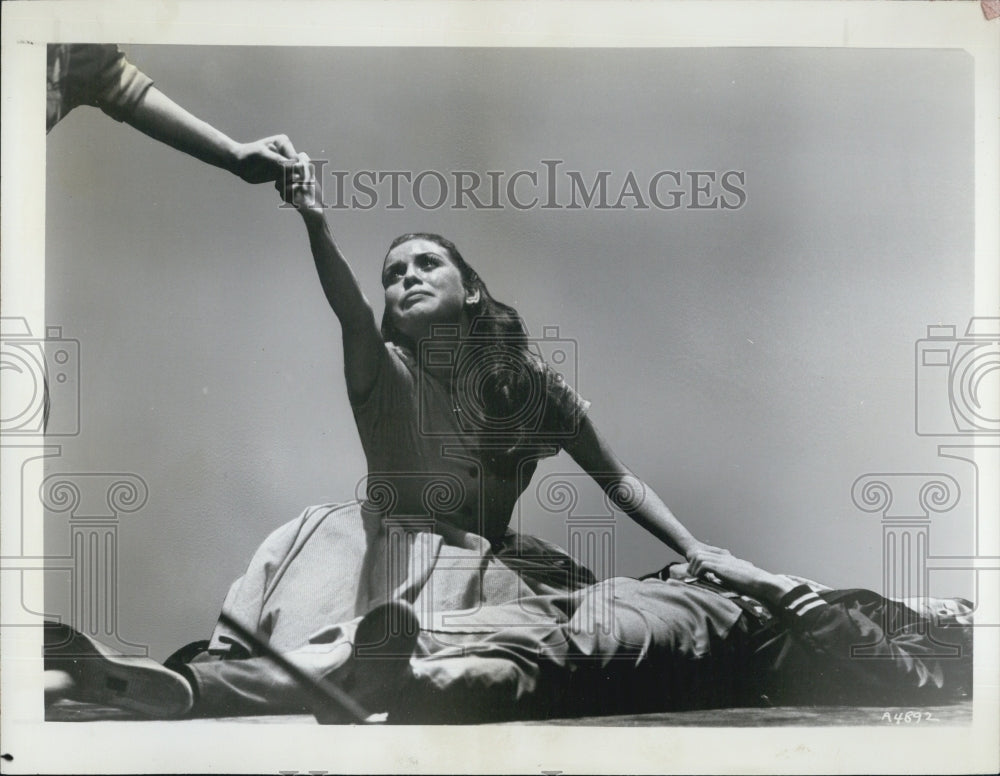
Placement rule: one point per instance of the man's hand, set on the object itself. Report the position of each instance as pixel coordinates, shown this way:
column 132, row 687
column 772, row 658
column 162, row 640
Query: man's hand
column 163, row 119
column 263, row 160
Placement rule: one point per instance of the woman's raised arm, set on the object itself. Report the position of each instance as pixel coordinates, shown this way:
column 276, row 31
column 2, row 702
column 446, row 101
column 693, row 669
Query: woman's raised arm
column 630, row 494
column 363, row 345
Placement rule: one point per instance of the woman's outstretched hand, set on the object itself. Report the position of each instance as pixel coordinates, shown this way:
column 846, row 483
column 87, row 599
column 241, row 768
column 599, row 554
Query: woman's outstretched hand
column 298, row 186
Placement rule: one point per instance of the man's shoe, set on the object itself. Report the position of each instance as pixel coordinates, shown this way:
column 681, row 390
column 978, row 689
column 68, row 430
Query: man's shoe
column 101, row 675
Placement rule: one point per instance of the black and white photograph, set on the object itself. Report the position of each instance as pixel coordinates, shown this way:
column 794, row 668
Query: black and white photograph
column 500, row 387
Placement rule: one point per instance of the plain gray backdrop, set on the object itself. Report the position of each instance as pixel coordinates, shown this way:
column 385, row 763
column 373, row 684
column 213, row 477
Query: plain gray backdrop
column 749, row 364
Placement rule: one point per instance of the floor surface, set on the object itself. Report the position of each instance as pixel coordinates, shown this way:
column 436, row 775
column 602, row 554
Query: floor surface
column 815, row 716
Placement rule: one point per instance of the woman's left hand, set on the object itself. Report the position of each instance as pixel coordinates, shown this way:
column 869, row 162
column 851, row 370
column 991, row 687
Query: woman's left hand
column 700, row 555
column 742, row 576
column 701, row 550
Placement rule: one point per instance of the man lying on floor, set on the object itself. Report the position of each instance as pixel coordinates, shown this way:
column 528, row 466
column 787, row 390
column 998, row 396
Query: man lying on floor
column 670, row 641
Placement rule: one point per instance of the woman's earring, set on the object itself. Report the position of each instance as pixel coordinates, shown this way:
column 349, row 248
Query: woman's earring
column 472, row 298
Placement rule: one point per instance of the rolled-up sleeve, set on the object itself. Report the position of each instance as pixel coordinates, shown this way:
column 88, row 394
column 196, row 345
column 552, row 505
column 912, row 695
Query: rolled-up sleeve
column 93, row 74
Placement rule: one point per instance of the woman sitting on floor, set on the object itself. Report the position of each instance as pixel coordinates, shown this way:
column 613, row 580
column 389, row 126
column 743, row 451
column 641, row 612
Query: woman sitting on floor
column 454, row 412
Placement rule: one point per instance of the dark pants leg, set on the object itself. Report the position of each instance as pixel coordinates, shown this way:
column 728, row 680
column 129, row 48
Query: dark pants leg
column 860, row 648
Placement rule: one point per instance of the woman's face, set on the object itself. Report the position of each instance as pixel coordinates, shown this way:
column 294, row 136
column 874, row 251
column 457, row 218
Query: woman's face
column 423, row 286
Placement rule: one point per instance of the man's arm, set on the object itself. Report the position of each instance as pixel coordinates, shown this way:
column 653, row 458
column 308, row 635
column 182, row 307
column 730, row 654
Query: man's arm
column 163, row 119
column 100, row 75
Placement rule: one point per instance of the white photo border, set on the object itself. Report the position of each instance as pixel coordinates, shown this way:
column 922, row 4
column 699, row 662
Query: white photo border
column 221, row 747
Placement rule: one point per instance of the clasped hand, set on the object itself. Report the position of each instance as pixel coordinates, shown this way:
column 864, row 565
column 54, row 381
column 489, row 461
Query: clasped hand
column 263, row 160
column 298, row 185
column 275, row 159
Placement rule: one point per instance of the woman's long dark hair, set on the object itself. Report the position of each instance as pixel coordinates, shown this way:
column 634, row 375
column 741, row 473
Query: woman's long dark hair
column 498, row 377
